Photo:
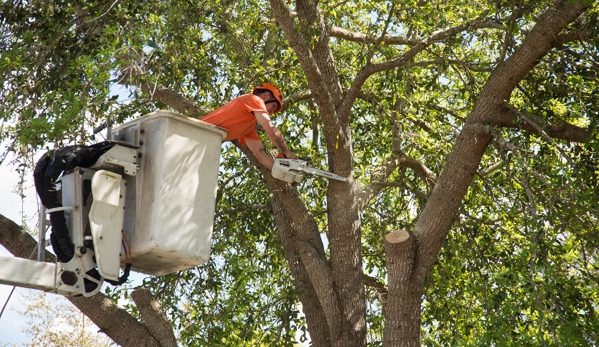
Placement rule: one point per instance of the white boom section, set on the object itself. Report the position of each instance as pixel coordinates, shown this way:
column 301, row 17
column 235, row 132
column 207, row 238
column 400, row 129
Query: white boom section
column 28, row 273
column 61, row 278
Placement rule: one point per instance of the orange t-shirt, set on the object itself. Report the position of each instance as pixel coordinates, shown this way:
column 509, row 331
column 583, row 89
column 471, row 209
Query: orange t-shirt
column 237, row 117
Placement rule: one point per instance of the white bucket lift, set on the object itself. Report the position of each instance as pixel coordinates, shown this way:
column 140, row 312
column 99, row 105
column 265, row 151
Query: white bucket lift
column 169, row 211
column 157, row 184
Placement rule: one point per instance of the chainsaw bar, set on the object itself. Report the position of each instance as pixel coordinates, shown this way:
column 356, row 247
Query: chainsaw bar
column 325, row 174
column 293, row 170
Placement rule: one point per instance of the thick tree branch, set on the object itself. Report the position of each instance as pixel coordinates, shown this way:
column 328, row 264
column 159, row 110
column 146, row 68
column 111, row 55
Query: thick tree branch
column 404, row 293
column 297, row 97
column 510, row 117
column 319, row 333
column 154, row 317
column 17, row 241
column 306, row 58
column 344, row 296
column 315, row 31
column 114, row 321
column 307, row 244
column 462, row 164
column 316, row 59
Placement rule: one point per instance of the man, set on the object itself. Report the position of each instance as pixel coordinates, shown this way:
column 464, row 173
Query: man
column 240, row 116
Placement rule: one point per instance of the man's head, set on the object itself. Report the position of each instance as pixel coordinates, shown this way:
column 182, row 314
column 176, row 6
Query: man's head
column 274, row 99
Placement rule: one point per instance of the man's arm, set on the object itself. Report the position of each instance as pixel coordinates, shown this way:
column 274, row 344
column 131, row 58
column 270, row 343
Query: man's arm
column 257, row 148
column 274, row 135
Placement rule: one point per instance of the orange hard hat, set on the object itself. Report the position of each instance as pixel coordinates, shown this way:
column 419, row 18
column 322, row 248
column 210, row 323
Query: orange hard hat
column 276, row 92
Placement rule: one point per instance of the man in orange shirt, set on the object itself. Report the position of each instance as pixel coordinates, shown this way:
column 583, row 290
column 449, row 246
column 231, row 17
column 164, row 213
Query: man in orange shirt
column 241, row 114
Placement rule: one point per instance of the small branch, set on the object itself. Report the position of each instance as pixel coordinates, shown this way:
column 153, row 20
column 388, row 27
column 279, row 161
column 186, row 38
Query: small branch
column 380, row 39
column 132, row 75
column 370, row 69
column 583, row 34
column 358, row 37
column 393, row 40
column 378, row 180
column 491, row 169
column 103, row 14
column 380, row 288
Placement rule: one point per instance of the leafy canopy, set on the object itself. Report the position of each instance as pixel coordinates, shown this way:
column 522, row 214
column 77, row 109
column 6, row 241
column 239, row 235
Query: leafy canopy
column 520, row 266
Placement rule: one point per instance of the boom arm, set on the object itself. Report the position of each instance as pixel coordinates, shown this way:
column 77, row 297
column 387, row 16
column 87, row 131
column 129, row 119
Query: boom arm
column 61, row 278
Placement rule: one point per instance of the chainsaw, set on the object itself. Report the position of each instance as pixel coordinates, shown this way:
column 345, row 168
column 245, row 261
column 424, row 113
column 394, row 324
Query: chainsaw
column 293, row 170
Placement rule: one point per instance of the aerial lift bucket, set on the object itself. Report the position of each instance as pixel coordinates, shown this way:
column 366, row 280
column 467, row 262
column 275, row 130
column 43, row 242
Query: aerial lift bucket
column 169, row 211
column 157, row 186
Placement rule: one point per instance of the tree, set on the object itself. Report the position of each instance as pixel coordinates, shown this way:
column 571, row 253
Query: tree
column 58, row 325
column 472, row 125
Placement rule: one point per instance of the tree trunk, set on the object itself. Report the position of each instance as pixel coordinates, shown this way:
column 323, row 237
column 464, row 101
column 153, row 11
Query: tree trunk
column 319, row 333
column 402, row 314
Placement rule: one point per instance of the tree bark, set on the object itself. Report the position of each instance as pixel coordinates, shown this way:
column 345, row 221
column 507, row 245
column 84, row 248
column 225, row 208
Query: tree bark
column 347, row 324
column 313, row 310
column 402, row 315
column 154, row 317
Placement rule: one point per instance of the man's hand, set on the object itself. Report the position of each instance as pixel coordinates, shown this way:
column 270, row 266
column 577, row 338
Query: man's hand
column 291, row 155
